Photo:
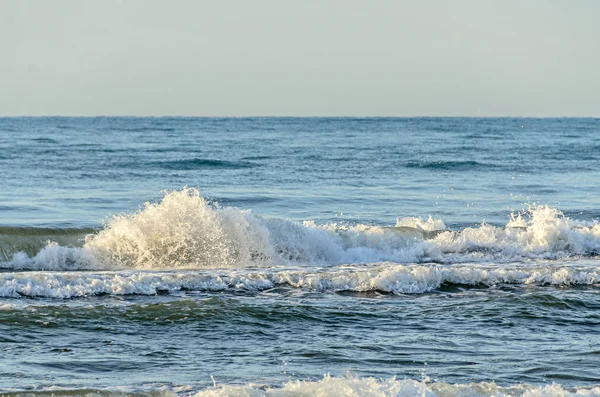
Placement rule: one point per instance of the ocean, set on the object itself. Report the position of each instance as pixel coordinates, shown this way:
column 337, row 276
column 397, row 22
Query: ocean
column 176, row 256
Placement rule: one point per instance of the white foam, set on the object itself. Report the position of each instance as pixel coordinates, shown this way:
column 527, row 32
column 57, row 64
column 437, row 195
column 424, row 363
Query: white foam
column 371, row 387
column 184, row 231
column 329, row 386
column 180, row 231
column 54, row 257
column 384, row 277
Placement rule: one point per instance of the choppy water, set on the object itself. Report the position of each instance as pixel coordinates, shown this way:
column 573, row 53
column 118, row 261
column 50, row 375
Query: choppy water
column 292, row 257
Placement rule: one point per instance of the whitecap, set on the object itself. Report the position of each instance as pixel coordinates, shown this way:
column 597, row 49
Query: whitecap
column 183, row 230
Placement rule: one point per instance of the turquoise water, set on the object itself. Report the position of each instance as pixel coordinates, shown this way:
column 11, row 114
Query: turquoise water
column 273, row 256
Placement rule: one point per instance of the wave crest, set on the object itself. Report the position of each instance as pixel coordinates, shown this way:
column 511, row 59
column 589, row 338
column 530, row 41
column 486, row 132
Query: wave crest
column 180, row 231
column 371, row 387
column 347, row 386
column 183, row 230
column 382, row 277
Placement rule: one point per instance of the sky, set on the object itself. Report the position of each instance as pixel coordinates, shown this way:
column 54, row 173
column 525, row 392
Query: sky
column 300, row 57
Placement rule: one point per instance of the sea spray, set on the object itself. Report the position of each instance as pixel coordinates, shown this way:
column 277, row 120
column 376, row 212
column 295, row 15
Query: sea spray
column 184, row 231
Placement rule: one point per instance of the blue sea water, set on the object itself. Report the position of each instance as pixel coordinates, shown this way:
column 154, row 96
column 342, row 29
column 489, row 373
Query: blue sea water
column 298, row 256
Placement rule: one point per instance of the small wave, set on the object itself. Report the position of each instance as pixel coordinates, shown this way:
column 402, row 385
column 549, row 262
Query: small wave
column 451, row 165
column 30, row 240
column 25, row 231
column 198, row 163
column 45, row 140
column 257, row 158
column 185, row 231
column 385, row 277
column 144, row 129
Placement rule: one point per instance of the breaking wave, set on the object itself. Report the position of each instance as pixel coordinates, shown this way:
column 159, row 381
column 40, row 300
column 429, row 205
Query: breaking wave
column 372, row 387
column 348, row 386
column 185, row 231
column 381, row 277
column 30, row 240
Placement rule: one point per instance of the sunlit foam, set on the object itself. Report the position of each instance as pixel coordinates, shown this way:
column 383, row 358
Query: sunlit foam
column 184, row 231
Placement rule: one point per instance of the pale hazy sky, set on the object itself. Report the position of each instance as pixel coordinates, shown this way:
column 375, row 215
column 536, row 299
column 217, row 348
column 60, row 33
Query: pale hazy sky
column 300, row 58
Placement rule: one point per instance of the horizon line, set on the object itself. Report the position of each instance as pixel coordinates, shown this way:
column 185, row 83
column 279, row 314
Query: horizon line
column 298, row 117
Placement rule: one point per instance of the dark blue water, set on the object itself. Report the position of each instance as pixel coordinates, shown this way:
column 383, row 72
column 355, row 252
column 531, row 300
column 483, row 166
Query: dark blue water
column 445, row 252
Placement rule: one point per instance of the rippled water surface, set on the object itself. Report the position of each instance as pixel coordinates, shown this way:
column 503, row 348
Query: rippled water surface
column 297, row 256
